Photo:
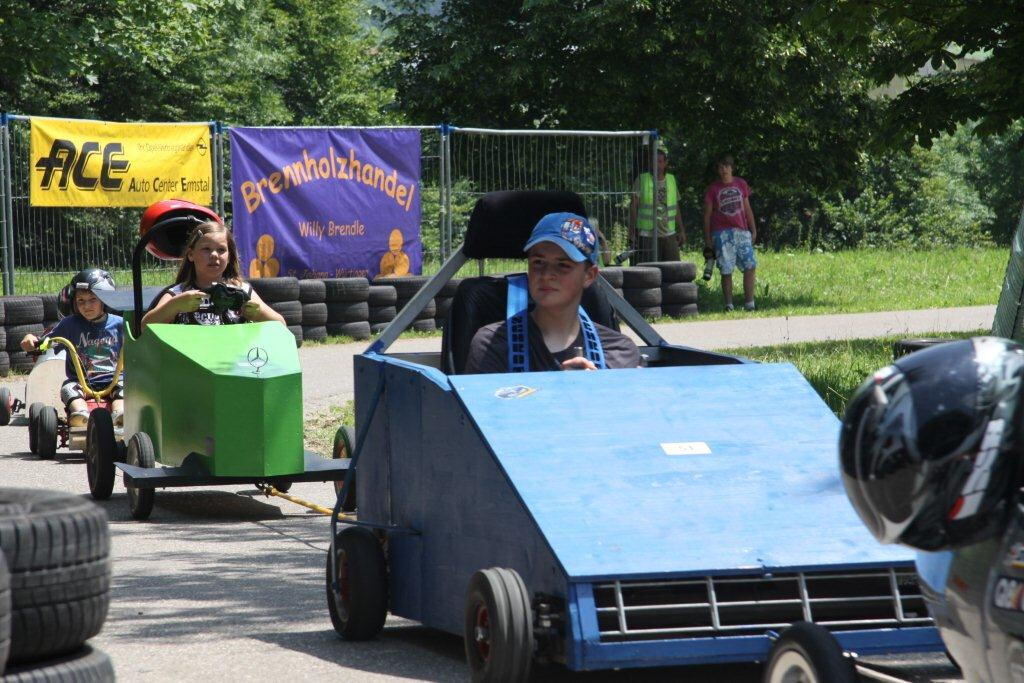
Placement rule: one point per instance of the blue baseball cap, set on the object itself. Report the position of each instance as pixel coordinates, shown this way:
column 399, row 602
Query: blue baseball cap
column 569, row 231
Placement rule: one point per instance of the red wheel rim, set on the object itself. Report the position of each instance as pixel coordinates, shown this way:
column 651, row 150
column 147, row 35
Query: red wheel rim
column 482, row 633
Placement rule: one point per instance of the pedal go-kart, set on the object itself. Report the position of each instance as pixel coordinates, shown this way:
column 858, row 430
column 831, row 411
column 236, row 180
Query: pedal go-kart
column 204, row 405
column 688, row 512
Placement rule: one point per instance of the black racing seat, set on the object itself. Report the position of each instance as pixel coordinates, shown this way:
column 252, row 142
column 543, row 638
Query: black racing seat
column 499, row 226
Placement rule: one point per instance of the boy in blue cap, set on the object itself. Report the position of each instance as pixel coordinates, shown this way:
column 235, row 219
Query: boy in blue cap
column 551, row 331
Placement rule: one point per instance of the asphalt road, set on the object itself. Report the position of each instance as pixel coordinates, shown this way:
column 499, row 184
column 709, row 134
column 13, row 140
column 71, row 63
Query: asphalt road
column 225, row 583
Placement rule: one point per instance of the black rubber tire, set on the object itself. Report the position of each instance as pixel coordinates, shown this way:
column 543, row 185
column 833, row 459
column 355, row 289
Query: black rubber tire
column 15, row 333
column 357, row 331
column 314, row 314
column 20, row 361
column 3, row 313
column 140, row 453
column 643, row 298
column 5, row 406
column 19, row 310
column 344, row 447
column 347, row 312
column 291, row 311
column 100, row 454
column 46, row 432
column 405, row 287
column 810, row 649
column 5, row 612
column 359, row 607
column 498, row 627
column 57, row 548
column 679, row 310
column 3, row 338
column 86, row 665
column 902, row 347
column 674, row 271
column 5, row 363
column 449, row 288
column 429, row 310
column 427, row 325
column 314, row 333
column 50, row 311
column 679, row 293
column 275, row 289
column 382, row 295
column 312, row 291
column 650, row 312
column 635, row 277
column 382, row 314
column 347, row 289
column 33, row 420
column 613, row 275
column 443, row 305
column 296, row 331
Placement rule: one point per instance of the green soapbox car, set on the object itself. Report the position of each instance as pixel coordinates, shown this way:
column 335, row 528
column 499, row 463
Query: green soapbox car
column 207, row 404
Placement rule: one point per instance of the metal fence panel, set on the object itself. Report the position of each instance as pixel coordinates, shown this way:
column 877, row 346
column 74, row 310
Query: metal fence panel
column 600, row 166
column 1008, row 321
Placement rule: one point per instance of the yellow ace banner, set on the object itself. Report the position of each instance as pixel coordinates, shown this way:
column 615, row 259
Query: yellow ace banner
column 98, row 163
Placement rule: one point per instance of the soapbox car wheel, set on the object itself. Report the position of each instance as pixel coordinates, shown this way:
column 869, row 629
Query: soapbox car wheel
column 33, row 419
column 6, row 406
column 140, row 454
column 46, row 432
column 498, row 627
column 359, row 603
column 344, row 447
column 100, row 454
column 807, row 653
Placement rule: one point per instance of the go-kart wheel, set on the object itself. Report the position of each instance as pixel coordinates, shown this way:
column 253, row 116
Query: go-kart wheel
column 344, row 447
column 33, row 419
column 6, row 406
column 46, row 432
column 140, row 454
column 359, row 605
column 121, row 455
column 100, row 453
column 807, row 653
column 498, row 627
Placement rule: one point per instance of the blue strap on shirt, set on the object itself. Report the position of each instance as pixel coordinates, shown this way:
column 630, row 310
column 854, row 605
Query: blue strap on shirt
column 516, row 310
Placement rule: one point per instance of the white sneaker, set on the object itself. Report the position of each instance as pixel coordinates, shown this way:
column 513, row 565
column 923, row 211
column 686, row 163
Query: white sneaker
column 79, row 418
column 749, row 306
column 118, row 417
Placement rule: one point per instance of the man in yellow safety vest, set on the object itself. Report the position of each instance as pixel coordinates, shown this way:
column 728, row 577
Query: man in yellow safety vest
column 647, row 210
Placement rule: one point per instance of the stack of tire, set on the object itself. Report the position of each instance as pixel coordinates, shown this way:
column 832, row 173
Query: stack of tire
column 405, row 289
column 348, row 307
column 313, row 300
column 20, row 315
column 443, row 301
column 282, row 295
column 614, row 277
column 678, row 289
column 641, row 287
column 383, row 300
column 50, row 315
column 54, row 587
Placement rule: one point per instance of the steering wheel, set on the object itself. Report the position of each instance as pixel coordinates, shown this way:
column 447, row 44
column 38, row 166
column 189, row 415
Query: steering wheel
column 224, row 297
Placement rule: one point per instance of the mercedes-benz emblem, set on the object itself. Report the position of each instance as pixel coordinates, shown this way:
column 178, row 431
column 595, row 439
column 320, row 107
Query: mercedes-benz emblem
column 257, row 358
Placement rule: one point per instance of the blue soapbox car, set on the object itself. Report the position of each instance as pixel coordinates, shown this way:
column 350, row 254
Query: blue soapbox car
column 689, row 512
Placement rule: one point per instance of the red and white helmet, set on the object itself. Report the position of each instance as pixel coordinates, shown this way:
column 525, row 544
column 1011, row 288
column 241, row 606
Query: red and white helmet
column 171, row 244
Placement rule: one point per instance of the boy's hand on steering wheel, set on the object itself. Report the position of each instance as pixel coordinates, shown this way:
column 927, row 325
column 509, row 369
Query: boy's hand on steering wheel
column 189, row 301
column 29, row 342
column 578, row 363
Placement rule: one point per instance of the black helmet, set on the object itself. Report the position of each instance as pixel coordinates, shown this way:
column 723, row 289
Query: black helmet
column 930, row 446
column 91, row 279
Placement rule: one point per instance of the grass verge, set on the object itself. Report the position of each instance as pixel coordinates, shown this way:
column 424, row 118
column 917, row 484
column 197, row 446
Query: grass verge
column 321, row 425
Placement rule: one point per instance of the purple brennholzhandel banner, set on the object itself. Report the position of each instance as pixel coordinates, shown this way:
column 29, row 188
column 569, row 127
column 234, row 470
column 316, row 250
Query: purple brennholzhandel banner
column 326, row 202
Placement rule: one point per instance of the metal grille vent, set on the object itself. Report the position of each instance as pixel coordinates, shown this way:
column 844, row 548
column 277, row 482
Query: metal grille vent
column 750, row 605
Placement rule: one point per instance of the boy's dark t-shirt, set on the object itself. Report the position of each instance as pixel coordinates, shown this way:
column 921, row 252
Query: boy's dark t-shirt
column 98, row 344
column 488, row 352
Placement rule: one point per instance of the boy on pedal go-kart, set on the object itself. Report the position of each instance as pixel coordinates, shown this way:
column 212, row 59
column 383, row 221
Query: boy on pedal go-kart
column 97, row 336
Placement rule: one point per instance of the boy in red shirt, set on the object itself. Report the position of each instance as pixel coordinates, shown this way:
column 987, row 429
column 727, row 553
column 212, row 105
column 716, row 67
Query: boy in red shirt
column 729, row 228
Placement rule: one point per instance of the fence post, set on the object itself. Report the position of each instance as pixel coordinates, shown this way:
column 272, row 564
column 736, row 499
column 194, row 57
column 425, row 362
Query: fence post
column 7, row 210
column 446, row 161
column 218, row 149
column 655, row 228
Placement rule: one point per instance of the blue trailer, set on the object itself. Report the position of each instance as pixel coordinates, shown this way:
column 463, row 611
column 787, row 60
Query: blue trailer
column 682, row 513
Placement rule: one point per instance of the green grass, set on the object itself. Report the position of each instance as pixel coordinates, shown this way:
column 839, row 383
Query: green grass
column 47, row 282
column 802, row 283
column 321, row 425
column 835, row 368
